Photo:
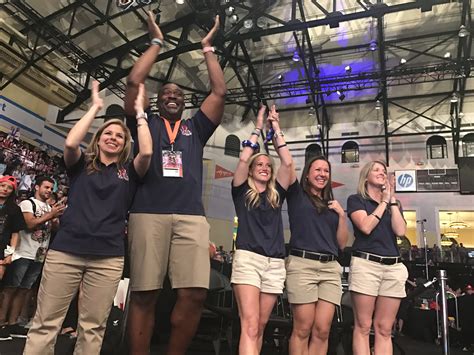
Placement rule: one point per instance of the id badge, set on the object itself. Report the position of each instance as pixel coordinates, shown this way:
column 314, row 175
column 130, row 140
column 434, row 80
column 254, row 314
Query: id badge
column 172, row 161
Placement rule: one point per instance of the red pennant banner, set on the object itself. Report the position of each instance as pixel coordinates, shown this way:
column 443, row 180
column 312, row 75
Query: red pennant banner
column 221, row 172
column 336, row 184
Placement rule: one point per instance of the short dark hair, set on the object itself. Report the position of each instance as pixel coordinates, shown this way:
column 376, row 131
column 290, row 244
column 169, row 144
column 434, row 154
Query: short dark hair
column 40, row 179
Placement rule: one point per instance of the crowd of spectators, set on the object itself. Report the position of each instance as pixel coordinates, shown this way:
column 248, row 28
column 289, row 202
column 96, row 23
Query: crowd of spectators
column 25, row 161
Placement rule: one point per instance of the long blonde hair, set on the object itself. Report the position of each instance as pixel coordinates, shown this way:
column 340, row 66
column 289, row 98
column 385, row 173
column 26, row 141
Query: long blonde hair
column 92, row 151
column 252, row 197
column 362, row 185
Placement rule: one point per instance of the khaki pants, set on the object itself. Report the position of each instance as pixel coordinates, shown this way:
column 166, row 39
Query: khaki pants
column 63, row 274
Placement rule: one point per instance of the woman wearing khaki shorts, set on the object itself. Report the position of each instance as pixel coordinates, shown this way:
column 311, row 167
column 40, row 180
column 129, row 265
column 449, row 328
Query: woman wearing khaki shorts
column 258, row 269
column 377, row 277
column 313, row 276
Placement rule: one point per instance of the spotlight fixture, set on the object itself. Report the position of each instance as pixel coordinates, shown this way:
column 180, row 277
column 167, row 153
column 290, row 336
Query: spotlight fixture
column 348, row 69
column 403, row 61
column 447, row 55
column 378, row 105
column 463, row 31
column 341, row 95
column 233, row 19
column 248, row 24
column 454, row 98
column 296, row 57
column 373, row 45
column 229, row 10
column 280, row 77
column 180, row 2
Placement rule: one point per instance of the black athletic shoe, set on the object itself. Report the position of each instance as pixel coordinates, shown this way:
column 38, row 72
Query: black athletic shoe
column 17, row 331
column 5, row 333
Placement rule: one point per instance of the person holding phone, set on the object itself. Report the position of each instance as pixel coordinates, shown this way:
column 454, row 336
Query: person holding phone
column 377, row 277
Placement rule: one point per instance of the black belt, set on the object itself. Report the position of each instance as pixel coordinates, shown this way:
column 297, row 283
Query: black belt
column 386, row 260
column 324, row 258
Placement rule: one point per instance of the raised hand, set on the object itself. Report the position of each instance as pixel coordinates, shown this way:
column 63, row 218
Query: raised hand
column 260, row 116
column 97, row 101
column 207, row 40
column 140, row 99
column 153, row 27
column 273, row 118
column 386, row 191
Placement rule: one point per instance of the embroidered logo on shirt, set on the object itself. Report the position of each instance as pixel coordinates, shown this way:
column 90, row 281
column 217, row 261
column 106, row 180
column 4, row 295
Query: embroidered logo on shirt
column 122, row 174
column 185, row 131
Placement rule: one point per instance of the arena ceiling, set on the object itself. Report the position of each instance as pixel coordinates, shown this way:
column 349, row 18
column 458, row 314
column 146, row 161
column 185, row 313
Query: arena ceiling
column 301, row 54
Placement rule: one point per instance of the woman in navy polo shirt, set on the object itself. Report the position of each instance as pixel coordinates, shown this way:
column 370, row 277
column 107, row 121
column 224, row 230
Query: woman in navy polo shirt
column 313, row 276
column 377, row 276
column 258, row 269
column 88, row 251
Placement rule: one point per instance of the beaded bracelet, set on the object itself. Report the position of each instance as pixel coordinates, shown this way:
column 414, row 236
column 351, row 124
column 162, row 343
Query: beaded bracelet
column 247, row 143
column 157, row 42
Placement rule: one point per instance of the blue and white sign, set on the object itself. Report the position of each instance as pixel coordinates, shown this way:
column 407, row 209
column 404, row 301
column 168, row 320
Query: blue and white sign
column 405, row 180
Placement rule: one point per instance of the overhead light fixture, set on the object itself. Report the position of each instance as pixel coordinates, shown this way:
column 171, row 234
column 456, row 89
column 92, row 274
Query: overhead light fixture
column 403, row 61
column 248, row 24
column 378, row 105
column 233, row 19
column 451, row 235
column 348, row 69
column 454, row 98
column 458, row 225
column 229, row 10
column 373, row 45
column 447, row 55
column 296, row 57
column 180, row 2
column 445, row 241
column 463, row 31
column 262, row 22
column 341, row 95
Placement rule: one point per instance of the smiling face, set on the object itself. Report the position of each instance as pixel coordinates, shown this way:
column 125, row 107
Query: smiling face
column 318, row 176
column 112, row 140
column 377, row 175
column 261, row 169
column 171, row 101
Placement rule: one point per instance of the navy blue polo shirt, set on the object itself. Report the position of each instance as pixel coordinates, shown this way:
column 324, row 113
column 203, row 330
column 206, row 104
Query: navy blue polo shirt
column 166, row 195
column 94, row 220
column 382, row 240
column 311, row 230
column 260, row 229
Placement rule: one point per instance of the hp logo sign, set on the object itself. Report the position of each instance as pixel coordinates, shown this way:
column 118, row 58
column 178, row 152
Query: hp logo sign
column 405, row 180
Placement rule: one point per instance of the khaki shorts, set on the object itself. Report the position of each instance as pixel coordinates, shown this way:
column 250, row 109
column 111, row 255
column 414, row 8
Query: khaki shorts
column 168, row 243
column 268, row 274
column 308, row 280
column 375, row 279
